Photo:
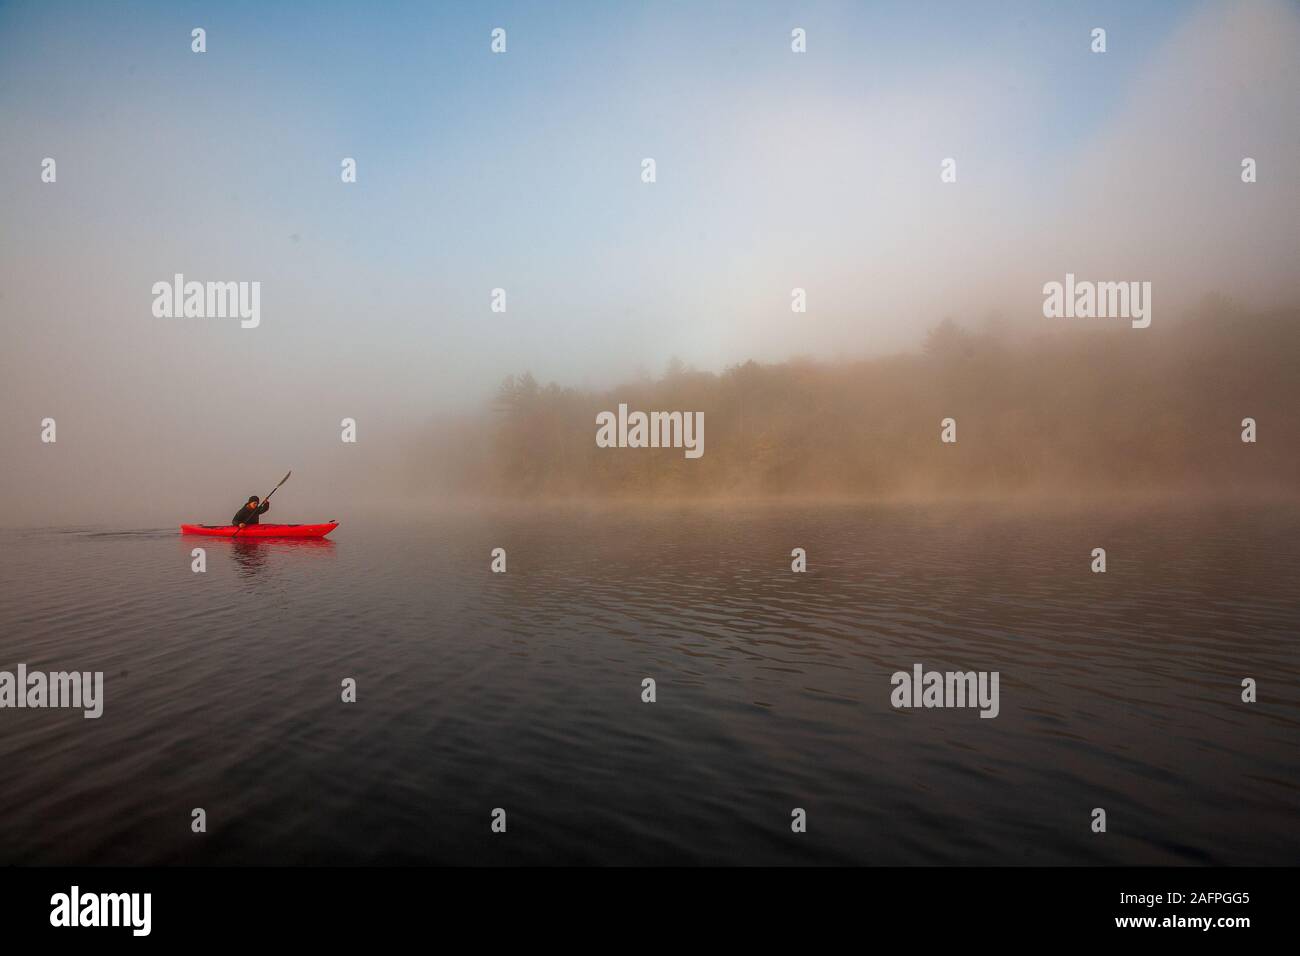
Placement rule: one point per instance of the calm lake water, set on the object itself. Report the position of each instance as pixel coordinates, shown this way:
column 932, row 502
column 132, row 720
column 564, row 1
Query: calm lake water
column 523, row 690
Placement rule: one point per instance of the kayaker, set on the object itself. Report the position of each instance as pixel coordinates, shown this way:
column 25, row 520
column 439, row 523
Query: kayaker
column 248, row 514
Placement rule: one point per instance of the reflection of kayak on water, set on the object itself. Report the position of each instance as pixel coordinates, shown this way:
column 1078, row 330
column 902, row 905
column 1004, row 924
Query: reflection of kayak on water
column 261, row 530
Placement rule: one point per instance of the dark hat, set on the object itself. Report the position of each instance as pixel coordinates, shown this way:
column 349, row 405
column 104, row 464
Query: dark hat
column 254, row 498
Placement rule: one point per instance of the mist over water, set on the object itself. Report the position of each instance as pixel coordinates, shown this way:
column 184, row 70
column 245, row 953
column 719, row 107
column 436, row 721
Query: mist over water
column 522, row 172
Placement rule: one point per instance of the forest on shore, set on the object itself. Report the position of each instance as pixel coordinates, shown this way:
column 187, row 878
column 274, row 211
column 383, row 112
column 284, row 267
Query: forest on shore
column 1071, row 411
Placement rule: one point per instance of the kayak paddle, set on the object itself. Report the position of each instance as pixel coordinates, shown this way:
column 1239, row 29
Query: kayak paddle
column 264, row 501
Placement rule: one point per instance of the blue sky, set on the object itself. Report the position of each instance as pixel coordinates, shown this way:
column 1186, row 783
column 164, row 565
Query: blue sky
column 541, row 138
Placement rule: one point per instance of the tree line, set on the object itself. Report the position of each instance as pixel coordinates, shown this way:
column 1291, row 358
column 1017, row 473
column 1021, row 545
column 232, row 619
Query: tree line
column 1065, row 412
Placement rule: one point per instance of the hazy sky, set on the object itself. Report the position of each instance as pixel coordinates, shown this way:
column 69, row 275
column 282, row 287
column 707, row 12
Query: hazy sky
column 522, row 171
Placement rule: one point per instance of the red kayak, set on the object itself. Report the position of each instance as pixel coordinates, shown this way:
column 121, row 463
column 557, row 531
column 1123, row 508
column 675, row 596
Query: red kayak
column 261, row 530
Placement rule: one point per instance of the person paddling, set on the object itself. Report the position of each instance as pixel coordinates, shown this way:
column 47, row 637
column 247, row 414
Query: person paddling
column 249, row 513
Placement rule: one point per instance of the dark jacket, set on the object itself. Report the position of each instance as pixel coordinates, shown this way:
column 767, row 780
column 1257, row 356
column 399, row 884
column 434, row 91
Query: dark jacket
column 247, row 515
